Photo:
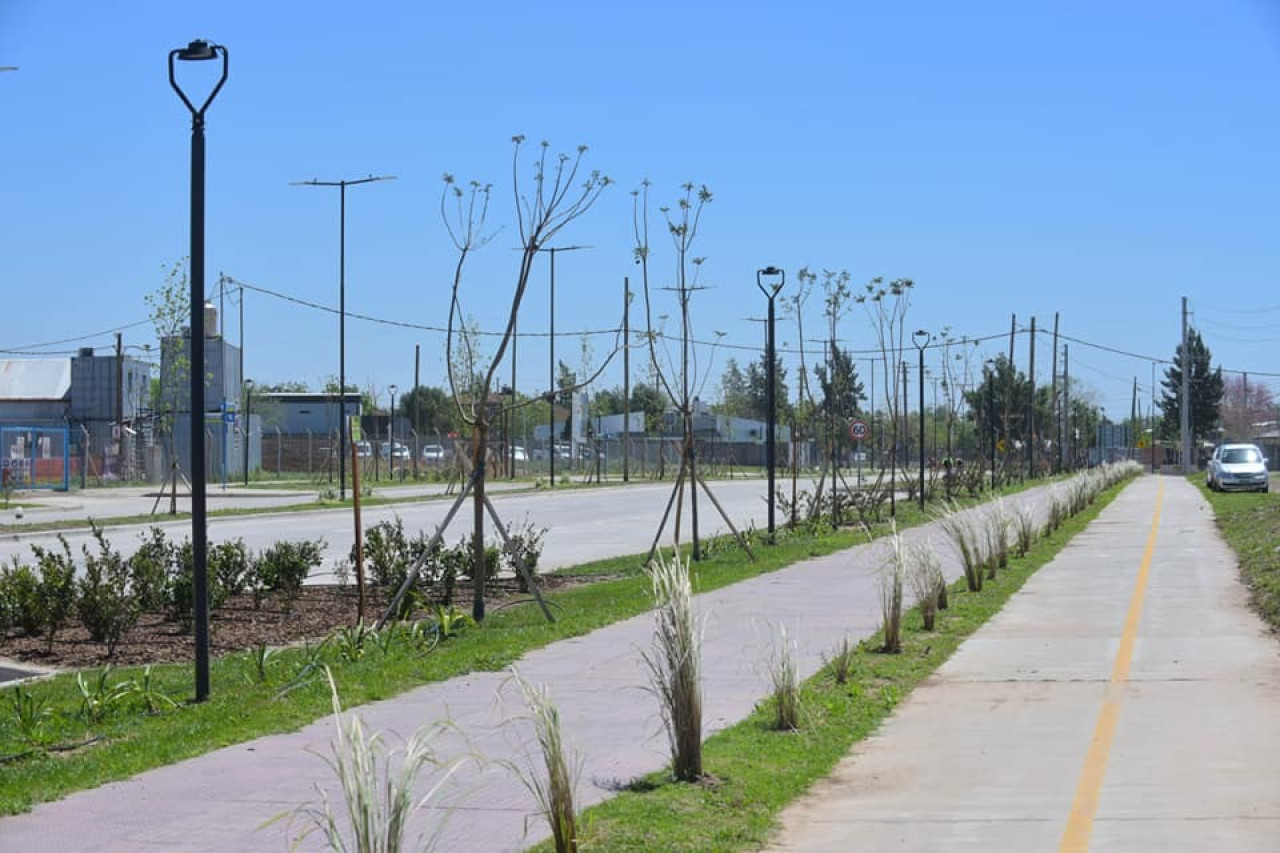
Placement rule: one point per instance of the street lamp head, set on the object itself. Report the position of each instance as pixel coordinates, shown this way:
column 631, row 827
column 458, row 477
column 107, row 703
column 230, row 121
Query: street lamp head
column 198, row 50
column 921, row 338
column 248, row 383
column 770, row 289
column 393, row 389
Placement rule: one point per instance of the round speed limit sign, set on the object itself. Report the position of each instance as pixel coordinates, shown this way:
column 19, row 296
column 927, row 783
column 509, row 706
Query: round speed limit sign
column 858, row 429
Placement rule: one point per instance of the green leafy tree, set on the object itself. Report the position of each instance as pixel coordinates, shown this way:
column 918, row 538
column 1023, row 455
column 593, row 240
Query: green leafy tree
column 1011, row 391
column 650, row 400
column 842, row 391
column 607, row 401
column 758, row 392
column 1206, row 391
column 430, row 410
column 734, row 395
column 289, row 386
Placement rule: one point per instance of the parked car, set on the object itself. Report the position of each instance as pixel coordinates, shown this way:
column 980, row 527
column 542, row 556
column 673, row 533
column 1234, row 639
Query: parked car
column 519, row 454
column 364, row 449
column 434, row 454
column 562, row 452
column 396, row 450
column 1238, row 466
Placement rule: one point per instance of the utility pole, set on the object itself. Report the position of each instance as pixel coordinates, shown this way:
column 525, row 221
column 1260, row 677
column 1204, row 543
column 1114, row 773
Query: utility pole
column 1065, row 445
column 1008, row 389
column 1053, row 388
column 1151, row 416
column 511, row 415
column 1185, row 424
column 1031, row 407
column 906, row 421
column 417, row 406
column 1133, row 415
column 120, row 404
column 1248, row 416
column 241, row 338
column 626, row 379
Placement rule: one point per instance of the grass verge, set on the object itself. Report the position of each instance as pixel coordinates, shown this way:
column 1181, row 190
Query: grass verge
column 52, row 744
column 1251, row 525
column 756, row 770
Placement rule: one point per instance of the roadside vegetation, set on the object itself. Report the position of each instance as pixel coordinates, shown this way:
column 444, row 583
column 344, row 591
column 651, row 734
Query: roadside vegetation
column 79, row 730
column 1251, row 525
column 753, row 769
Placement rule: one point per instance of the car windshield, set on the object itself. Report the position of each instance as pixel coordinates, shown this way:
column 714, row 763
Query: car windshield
column 1241, row 454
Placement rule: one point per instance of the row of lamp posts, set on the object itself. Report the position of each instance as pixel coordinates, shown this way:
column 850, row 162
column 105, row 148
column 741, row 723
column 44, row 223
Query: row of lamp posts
column 769, row 281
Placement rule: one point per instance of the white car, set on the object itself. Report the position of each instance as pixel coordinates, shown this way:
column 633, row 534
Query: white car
column 434, row 454
column 1237, row 466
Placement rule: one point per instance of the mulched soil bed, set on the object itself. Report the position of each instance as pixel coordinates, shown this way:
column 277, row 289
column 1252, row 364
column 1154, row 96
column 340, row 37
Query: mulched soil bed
column 236, row 626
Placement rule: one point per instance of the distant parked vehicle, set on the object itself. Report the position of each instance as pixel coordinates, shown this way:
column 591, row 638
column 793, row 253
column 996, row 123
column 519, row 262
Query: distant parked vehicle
column 1237, row 466
column 397, row 451
column 364, row 449
column 433, row 454
column 518, row 453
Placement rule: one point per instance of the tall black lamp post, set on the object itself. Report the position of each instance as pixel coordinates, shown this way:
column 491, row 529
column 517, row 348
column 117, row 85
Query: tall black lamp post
column 342, row 314
column 248, row 424
column 990, row 376
column 391, row 435
column 770, row 290
column 198, row 51
column 921, row 339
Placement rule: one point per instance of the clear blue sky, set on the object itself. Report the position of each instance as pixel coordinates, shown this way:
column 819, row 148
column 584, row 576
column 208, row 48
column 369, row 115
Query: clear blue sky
column 1096, row 159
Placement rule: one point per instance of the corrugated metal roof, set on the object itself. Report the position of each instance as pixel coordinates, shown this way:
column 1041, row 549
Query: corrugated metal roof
column 35, row 379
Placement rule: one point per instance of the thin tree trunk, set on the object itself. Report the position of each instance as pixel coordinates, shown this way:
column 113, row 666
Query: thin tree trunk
column 479, row 441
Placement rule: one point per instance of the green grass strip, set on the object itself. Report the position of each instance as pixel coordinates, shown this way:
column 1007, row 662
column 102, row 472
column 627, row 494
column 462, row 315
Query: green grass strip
column 758, row 771
column 1251, row 525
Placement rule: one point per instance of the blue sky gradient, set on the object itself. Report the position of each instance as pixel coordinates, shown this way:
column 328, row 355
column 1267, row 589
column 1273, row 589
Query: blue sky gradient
column 1094, row 159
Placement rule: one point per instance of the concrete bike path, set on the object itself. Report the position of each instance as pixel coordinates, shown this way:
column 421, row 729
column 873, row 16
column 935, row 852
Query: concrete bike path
column 1125, row 699
column 216, row 802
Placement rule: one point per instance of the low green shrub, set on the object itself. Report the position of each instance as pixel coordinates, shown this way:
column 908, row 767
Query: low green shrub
column 231, row 566
column 56, row 590
column 107, row 606
column 20, row 593
column 284, row 566
column 149, row 568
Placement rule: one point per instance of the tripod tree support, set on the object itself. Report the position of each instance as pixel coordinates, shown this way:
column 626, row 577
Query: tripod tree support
column 436, row 538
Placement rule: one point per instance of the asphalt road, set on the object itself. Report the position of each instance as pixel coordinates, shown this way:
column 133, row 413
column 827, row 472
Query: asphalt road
column 582, row 524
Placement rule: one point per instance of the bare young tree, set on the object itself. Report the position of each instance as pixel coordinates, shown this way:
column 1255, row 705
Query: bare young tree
column 886, row 306
column 793, row 304
column 678, row 374
column 170, row 312
column 558, row 192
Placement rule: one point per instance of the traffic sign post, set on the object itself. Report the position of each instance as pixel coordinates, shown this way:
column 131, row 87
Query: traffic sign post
column 858, row 431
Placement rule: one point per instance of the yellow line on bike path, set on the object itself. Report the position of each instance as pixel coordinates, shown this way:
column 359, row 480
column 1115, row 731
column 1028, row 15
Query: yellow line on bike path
column 1075, row 839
